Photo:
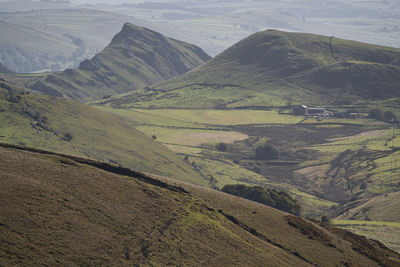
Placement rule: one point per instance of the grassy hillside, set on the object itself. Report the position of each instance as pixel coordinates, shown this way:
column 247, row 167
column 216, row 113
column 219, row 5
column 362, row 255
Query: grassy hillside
column 380, row 208
column 71, row 211
column 274, row 68
column 135, row 58
column 385, row 232
column 69, row 127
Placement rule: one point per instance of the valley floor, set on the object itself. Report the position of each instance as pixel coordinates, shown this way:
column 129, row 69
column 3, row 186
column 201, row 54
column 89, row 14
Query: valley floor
column 326, row 165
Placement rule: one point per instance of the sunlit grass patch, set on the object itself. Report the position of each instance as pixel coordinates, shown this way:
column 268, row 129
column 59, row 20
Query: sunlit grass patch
column 385, row 232
column 183, row 149
column 225, row 172
column 191, row 137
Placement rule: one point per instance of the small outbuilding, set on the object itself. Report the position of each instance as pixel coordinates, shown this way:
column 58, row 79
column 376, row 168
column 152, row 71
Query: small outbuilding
column 354, row 115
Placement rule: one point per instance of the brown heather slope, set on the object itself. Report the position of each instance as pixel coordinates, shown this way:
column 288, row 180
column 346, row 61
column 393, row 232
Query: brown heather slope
column 58, row 210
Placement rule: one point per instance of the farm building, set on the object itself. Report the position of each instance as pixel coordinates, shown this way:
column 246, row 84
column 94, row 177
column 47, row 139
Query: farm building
column 300, row 110
column 316, row 111
column 354, row 115
column 351, row 113
column 304, row 110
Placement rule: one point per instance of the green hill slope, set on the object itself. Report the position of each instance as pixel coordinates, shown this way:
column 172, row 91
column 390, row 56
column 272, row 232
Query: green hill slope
column 136, row 57
column 381, row 208
column 69, row 127
column 68, row 211
column 274, row 68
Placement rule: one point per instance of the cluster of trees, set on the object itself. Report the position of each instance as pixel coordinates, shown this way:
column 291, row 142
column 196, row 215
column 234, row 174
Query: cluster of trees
column 267, row 152
column 387, row 116
column 270, row 197
column 263, row 152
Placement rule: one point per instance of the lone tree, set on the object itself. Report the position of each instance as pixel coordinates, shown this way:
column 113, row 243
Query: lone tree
column 67, row 137
column 375, row 114
column 267, row 152
column 222, row 147
column 389, row 116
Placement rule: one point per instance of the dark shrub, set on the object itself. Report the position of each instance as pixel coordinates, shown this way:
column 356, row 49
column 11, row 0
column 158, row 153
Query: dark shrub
column 267, row 152
column 67, row 137
column 324, row 219
column 375, row 114
column 389, row 116
column 270, row 197
column 222, row 147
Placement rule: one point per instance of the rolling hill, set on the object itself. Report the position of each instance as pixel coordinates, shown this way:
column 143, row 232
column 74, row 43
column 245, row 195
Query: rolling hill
column 274, row 68
column 135, row 58
column 70, row 127
column 76, row 32
column 61, row 210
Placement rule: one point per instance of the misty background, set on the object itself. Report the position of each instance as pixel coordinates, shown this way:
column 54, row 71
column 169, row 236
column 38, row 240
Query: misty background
column 51, row 35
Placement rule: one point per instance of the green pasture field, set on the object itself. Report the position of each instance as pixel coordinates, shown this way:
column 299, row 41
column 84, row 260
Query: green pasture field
column 194, row 134
column 203, row 117
column 225, row 117
column 193, row 137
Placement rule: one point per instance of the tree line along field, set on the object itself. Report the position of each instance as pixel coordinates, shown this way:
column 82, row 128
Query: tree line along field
column 309, row 151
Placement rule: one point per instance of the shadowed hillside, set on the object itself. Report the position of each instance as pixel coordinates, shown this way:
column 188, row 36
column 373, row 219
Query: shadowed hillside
column 67, row 211
column 69, row 127
column 135, row 58
column 274, row 68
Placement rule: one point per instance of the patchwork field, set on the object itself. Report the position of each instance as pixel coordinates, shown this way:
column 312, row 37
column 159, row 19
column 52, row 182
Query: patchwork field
column 330, row 167
column 224, row 117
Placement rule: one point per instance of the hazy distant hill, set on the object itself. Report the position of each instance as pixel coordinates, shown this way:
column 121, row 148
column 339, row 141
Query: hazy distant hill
column 75, row 34
column 69, row 127
column 25, row 49
column 274, row 68
column 58, row 210
column 4, row 69
column 136, row 57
